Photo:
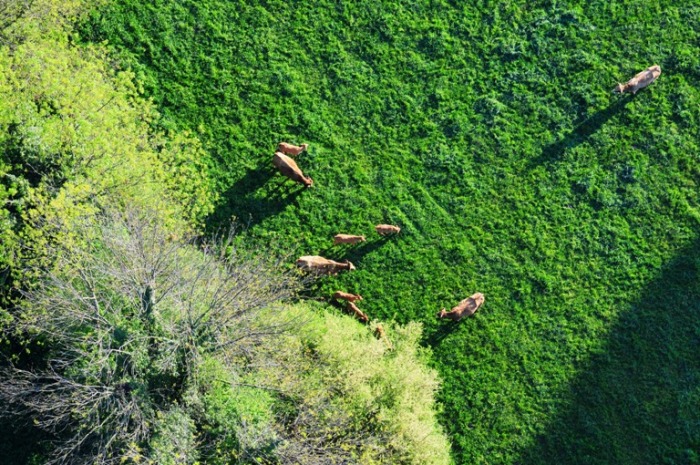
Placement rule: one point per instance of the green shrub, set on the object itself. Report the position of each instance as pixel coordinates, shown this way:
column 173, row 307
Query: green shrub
column 349, row 397
column 75, row 136
column 174, row 441
column 124, row 320
column 238, row 415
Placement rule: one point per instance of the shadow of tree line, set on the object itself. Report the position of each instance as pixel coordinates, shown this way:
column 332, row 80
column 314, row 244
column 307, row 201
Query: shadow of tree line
column 638, row 402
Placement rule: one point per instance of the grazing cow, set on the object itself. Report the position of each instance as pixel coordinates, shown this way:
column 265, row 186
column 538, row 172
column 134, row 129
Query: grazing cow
column 381, row 334
column 352, row 308
column 323, row 265
column 467, row 307
column 384, row 229
column 289, row 168
column 293, row 150
column 340, row 295
column 639, row 81
column 347, row 239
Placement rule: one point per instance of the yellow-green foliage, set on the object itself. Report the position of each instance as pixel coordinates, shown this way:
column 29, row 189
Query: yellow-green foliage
column 30, row 19
column 395, row 382
column 74, row 115
column 174, row 441
column 237, row 416
column 357, row 394
column 76, row 136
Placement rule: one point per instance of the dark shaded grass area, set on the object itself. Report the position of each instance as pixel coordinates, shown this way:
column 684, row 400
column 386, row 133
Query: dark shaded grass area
column 487, row 130
column 645, row 378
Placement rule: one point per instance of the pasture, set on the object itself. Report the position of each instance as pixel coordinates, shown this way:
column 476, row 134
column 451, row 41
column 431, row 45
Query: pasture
column 489, row 132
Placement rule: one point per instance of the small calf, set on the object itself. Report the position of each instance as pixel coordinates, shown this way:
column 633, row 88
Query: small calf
column 352, row 308
column 323, row 265
column 385, row 229
column 347, row 239
column 340, row 295
column 465, row 308
column 293, row 150
column 639, row 81
column 381, row 335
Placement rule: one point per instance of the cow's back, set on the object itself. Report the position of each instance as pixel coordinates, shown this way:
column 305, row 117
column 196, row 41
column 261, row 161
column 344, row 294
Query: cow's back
column 644, row 78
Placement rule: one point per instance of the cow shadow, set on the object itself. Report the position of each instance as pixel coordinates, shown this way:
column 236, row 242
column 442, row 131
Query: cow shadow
column 638, row 399
column 357, row 254
column 443, row 329
column 555, row 151
column 354, row 253
column 261, row 193
column 317, row 289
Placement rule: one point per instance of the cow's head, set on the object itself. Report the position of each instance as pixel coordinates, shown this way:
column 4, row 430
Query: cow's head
column 619, row 89
column 350, row 265
column 308, row 182
column 442, row 313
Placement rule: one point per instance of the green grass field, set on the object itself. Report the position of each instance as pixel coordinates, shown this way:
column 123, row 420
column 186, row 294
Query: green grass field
column 488, row 131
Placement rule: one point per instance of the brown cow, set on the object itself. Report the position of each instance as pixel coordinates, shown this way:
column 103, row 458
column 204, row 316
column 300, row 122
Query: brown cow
column 323, row 265
column 639, row 81
column 384, row 229
column 293, row 150
column 340, row 295
column 352, row 308
column 381, row 335
column 347, row 239
column 289, row 168
column 467, row 307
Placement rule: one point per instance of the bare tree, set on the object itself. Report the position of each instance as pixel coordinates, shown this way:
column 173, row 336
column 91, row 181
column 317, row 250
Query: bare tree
column 126, row 316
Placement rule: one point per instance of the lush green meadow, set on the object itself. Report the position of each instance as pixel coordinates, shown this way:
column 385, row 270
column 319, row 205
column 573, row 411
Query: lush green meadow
column 488, row 131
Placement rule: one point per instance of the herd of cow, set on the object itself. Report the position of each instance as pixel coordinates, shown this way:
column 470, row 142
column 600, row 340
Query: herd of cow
column 314, row 263
column 284, row 162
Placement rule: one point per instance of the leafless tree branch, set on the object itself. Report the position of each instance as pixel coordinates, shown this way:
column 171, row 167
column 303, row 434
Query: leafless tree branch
column 127, row 316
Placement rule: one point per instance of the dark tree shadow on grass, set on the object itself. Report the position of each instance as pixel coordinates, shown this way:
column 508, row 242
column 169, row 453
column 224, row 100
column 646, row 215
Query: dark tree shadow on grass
column 555, row 151
column 261, row 193
column 638, row 402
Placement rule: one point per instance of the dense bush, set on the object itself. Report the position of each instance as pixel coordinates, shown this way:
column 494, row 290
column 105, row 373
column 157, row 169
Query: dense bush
column 75, row 135
column 157, row 350
column 331, row 393
column 174, row 440
column 357, row 395
column 124, row 318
